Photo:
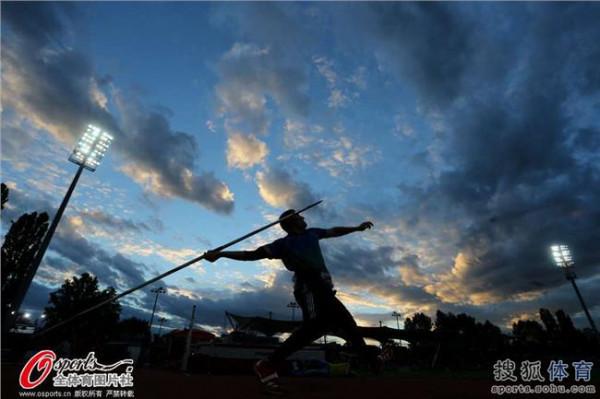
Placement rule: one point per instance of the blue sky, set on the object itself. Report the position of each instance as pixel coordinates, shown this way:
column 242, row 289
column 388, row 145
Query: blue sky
column 468, row 133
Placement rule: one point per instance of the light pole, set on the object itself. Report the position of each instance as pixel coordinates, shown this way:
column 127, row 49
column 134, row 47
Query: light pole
column 88, row 153
column 563, row 259
column 293, row 306
column 397, row 316
column 160, row 321
column 157, row 291
column 188, row 342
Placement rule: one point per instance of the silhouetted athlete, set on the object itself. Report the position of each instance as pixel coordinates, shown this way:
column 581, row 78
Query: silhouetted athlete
column 313, row 289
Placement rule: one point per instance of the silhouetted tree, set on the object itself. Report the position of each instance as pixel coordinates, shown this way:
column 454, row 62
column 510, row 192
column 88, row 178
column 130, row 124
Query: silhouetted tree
column 419, row 321
column 466, row 343
column 549, row 323
column 450, row 324
column 529, row 331
column 4, row 195
column 420, row 351
column 89, row 331
column 565, row 324
column 20, row 246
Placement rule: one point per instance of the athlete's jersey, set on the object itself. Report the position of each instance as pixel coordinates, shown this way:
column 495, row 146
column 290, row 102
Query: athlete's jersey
column 301, row 254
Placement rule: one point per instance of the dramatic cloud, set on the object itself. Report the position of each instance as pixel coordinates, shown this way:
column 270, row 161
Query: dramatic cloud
column 279, row 189
column 165, row 164
column 469, row 133
column 111, row 222
column 249, row 76
column 243, row 151
column 113, row 269
column 49, row 83
column 514, row 180
column 353, row 264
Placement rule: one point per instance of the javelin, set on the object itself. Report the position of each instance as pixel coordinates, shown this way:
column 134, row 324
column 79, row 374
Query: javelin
column 175, row 269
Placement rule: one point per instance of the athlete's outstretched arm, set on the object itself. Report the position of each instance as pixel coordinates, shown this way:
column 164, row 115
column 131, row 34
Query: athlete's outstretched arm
column 259, row 253
column 342, row 231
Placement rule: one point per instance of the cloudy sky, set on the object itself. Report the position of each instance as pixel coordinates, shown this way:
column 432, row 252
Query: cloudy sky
column 468, row 133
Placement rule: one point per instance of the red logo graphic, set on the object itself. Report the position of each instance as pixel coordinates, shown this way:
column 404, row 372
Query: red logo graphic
column 42, row 361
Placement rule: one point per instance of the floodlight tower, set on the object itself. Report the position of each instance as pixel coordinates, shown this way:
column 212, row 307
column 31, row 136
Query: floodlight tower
column 157, row 291
column 563, row 259
column 88, row 153
column 161, row 322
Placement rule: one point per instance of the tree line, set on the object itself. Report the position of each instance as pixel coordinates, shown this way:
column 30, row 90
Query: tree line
column 460, row 342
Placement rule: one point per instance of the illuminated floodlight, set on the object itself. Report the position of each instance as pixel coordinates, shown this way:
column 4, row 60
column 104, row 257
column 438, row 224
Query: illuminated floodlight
column 88, row 153
column 562, row 255
column 27, row 315
column 91, row 148
column 563, row 259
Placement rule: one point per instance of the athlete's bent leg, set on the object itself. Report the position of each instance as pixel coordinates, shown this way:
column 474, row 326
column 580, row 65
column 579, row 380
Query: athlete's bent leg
column 344, row 324
column 312, row 327
column 303, row 336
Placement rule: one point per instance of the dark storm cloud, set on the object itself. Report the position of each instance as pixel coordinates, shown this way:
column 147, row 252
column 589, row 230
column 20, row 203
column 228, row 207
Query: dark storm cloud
column 76, row 252
column 371, row 269
column 452, row 51
column 19, row 203
column 355, row 265
column 430, row 43
column 115, row 270
column 45, row 81
column 55, row 87
column 514, row 181
column 120, row 224
column 164, row 164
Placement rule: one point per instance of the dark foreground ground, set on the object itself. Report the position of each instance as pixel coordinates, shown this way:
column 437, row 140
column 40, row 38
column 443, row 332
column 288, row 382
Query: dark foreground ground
column 307, row 387
column 160, row 384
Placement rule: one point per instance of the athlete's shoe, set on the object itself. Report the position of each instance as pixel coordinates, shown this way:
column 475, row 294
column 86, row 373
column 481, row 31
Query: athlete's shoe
column 267, row 374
